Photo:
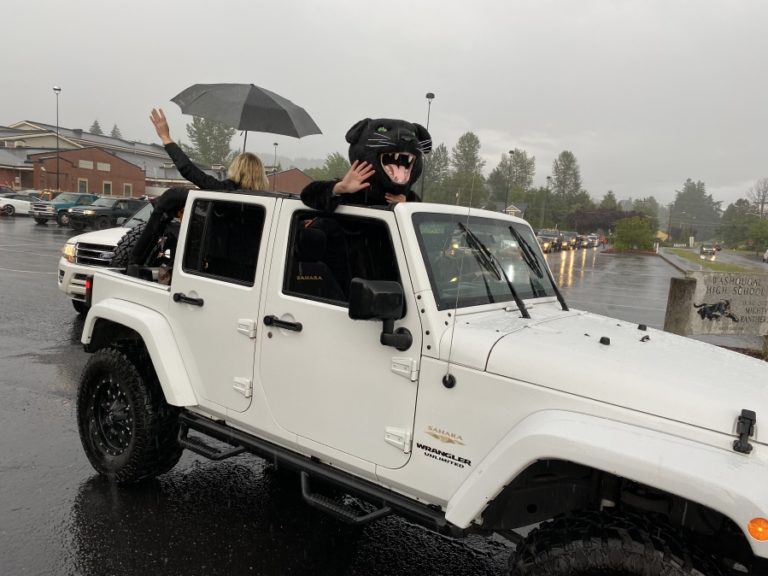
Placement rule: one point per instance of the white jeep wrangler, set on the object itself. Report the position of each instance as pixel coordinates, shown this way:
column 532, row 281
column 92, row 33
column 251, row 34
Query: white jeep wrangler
column 423, row 360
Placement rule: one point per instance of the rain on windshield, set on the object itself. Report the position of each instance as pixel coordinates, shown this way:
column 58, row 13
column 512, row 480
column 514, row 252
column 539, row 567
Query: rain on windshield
column 473, row 261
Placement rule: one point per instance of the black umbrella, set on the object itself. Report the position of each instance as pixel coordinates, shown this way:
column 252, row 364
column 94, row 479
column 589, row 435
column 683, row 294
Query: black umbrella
column 246, row 107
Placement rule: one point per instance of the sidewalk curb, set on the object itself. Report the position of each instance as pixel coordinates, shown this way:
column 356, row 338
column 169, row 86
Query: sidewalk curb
column 673, row 261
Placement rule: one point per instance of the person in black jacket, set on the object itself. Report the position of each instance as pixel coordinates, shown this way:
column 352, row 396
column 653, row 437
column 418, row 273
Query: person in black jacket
column 245, row 173
column 387, row 158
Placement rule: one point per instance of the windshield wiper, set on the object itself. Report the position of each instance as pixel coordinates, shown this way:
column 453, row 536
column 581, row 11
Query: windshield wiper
column 533, row 263
column 489, row 261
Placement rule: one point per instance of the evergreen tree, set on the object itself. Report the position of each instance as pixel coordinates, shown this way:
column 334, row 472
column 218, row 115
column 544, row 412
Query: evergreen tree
column 115, row 132
column 467, row 183
column 437, row 169
column 566, row 187
column 336, row 166
column 694, row 212
column 609, row 201
column 649, row 208
column 96, row 128
column 210, row 142
column 512, row 177
column 736, row 222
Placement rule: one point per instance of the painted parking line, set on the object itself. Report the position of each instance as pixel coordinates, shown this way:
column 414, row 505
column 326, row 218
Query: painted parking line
column 27, row 271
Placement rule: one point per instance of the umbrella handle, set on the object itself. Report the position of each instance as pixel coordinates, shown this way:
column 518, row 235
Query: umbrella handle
column 245, row 139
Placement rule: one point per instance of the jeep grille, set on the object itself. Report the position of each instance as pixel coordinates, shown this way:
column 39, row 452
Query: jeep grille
column 94, row 254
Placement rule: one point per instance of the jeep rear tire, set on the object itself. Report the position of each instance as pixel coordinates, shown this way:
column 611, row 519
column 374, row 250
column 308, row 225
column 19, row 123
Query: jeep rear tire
column 590, row 543
column 62, row 218
column 128, row 431
column 125, row 245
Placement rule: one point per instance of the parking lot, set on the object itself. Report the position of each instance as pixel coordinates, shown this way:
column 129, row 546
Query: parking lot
column 237, row 517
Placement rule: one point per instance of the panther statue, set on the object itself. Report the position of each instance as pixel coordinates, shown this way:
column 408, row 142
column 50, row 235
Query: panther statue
column 395, row 150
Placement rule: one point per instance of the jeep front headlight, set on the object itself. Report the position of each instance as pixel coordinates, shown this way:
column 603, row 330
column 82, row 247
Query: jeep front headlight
column 68, row 252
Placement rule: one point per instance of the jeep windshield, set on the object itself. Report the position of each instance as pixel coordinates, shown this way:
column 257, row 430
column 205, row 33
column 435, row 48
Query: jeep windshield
column 473, row 261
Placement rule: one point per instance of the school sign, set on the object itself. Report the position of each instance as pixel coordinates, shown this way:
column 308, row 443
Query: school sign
column 718, row 303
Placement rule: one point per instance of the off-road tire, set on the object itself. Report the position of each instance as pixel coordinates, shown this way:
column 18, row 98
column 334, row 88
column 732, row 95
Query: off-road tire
column 128, row 431
column 41, row 221
column 125, row 245
column 62, row 218
column 591, row 543
column 9, row 210
column 80, row 307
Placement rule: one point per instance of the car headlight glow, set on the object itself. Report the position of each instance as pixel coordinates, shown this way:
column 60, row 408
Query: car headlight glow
column 89, row 212
column 68, row 252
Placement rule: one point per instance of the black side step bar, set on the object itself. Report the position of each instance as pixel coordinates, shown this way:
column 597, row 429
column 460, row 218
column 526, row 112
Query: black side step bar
column 391, row 502
column 198, row 446
column 339, row 511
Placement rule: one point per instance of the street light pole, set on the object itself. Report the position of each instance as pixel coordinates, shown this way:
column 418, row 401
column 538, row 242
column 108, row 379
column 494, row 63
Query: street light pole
column 57, row 91
column 430, row 96
column 544, row 202
column 274, row 169
column 509, row 187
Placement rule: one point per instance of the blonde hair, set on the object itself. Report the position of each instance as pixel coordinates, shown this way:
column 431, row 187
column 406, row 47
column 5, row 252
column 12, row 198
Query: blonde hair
column 247, row 171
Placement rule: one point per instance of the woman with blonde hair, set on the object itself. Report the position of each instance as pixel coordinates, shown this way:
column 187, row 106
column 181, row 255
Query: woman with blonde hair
column 245, row 173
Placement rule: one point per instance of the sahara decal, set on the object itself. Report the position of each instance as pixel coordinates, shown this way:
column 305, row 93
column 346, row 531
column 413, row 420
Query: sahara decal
column 445, row 436
column 443, row 456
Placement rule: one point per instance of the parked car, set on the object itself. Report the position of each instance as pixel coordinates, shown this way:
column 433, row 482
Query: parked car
column 57, row 209
column 593, row 241
column 83, row 254
column 16, row 203
column 103, row 213
column 765, row 256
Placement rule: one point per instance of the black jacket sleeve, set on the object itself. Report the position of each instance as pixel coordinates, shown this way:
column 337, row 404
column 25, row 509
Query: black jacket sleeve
column 319, row 195
column 191, row 172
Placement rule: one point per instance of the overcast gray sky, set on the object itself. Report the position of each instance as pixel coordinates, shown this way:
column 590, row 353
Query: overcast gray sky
column 645, row 93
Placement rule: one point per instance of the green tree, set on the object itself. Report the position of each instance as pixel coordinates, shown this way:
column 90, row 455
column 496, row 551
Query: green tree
column 210, row 142
column 758, row 232
column 736, row 222
column 566, row 187
column 609, row 201
column 96, row 128
column 116, row 132
column 633, row 234
column 512, row 177
column 437, row 170
column 694, row 212
column 335, row 166
column 467, row 183
column 649, row 208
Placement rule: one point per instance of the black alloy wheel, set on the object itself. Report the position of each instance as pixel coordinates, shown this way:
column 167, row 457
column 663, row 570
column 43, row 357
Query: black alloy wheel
column 128, row 431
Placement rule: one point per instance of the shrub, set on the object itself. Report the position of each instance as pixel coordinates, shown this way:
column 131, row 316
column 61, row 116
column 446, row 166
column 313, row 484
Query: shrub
column 634, row 234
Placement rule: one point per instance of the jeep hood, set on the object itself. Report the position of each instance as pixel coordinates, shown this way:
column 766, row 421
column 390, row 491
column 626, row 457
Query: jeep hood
column 650, row 371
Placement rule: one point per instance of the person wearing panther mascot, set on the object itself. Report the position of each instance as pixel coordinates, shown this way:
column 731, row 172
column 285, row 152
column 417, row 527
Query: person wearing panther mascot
column 387, row 157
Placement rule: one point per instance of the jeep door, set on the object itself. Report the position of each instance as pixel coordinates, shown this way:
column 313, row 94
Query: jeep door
column 326, row 377
column 215, row 294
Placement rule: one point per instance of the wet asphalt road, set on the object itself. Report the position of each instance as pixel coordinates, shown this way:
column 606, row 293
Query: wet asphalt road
column 235, row 517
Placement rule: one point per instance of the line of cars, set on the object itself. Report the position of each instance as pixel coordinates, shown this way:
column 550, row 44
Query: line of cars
column 110, row 217
column 553, row 240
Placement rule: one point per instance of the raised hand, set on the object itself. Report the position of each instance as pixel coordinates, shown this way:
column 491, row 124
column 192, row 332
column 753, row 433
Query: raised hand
column 161, row 125
column 355, row 178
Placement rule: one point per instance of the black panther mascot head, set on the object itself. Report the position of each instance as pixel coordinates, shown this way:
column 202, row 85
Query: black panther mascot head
column 395, row 148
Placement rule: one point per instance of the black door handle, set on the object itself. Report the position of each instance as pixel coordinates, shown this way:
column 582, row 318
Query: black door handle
column 275, row 321
column 180, row 297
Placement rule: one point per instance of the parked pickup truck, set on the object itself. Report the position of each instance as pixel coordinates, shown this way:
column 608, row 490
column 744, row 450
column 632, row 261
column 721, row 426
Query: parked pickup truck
column 84, row 253
column 423, row 360
column 57, row 209
column 103, row 212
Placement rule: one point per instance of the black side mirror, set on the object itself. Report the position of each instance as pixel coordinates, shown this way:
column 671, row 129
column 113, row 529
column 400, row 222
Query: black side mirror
column 380, row 300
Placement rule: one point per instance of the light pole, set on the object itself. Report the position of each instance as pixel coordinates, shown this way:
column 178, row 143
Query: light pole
column 509, row 188
column 430, row 96
column 57, row 91
column 544, row 202
column 274, row 169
